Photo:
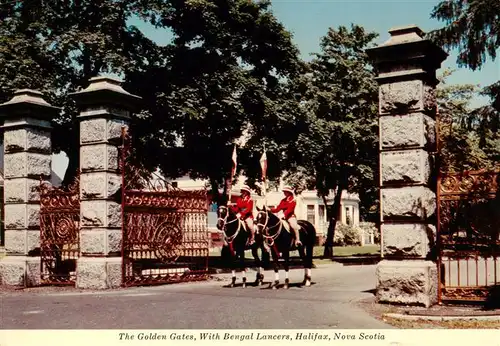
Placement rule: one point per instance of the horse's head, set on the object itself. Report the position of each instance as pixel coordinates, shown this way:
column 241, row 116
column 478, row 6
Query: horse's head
column 222, row 214
column 262, row 218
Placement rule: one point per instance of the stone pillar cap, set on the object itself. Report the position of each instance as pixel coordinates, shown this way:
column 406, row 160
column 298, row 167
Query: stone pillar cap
column 103, row 90
column 28, row 101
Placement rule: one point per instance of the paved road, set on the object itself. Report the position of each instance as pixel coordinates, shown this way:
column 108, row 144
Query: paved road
column 208, row 305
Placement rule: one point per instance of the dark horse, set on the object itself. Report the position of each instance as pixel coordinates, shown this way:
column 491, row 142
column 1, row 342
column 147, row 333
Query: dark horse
column 236, row 237
column 281, row 241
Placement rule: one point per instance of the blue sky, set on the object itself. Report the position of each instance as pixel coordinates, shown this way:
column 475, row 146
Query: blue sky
column 309, row 21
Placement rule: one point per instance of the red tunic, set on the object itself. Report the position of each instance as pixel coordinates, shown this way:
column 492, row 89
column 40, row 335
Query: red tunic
column 287, row 204
column 244, row 206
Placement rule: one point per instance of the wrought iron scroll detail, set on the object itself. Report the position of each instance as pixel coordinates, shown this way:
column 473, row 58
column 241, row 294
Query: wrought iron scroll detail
column 59, row 232
column 164, row 228
column 468, row 235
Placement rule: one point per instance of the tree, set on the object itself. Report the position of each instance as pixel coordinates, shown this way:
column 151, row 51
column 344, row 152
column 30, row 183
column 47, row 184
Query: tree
column 468, row 137
column 245, row 53
column 335, row 145
column 219, row 75
column 472, row 27
column 60, row 45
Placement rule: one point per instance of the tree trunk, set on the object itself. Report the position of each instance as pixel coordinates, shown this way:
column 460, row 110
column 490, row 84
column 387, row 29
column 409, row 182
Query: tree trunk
column 73, row 166
column 333, row 216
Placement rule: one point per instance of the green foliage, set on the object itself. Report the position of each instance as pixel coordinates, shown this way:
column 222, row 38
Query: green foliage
column 472, row 27
column 469, row 138
column 333, row 146
column 221, row 73
column 346, row 235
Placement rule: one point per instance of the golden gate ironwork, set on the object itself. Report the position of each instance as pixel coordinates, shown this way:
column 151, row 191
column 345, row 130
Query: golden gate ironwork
column 59, row 233
column 468, row 236
column 165, row 234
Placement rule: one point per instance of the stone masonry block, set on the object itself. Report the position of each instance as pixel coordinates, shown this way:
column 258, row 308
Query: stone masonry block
column 93, row 185
column 32, row 241
column 33, row 211
column 401, row 96
column 114, row 214
column 93, row 213
column 114, row 241
column 405, row 96
column 31, row 139
column 114, row 183
column 407, row 282
column 99, row 184
column 93, row 241
column 408, row 240
column 93, row 157
column 114, row 272
column 13, row 271
column 91, row 273
column 21, row 190
column 33, row 275
column 408, row 166
column 17, row 165
column 15, row 242
column 112, row 158
column 93, row 130
column 114, row 129
column 412, row 130
column 99, row 157
column 411, row 202
column 15, row 140
column 15, row 216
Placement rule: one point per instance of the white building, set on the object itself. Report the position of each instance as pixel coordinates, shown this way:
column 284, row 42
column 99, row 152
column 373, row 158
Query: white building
column 310, row 207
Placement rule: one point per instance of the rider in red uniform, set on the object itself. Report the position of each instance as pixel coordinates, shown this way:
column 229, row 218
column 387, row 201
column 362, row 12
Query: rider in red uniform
column 287, row 205
column 244, row 210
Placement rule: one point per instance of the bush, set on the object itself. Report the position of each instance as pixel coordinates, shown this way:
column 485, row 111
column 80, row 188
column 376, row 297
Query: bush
column 368, row 227
column 346, row 235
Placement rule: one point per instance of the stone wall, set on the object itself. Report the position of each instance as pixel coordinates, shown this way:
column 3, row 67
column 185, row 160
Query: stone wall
column 406, row 66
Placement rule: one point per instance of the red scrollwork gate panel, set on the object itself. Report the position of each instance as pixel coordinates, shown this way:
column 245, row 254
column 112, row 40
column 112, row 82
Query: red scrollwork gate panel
column 468, row 236
column 165, row 229
column 59, row 233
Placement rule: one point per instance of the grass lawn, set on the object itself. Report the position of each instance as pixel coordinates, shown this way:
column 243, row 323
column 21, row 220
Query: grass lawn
column 453, row 324
column 341, row 251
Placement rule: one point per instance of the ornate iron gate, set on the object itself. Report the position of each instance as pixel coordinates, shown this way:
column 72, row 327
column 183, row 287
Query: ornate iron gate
column 468, row 236
column 165, row 235
column 59, row 233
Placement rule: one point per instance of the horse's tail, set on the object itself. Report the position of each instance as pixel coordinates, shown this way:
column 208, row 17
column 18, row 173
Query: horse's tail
column 310, row 233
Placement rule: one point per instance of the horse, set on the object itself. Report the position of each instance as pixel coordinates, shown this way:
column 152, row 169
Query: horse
column 236, row 237
column 281, row 241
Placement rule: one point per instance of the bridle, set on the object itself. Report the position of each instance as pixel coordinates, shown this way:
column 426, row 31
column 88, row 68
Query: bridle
column 229, row 239
column 265, row 229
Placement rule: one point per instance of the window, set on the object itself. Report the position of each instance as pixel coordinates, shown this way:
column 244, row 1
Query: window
column 310, row 214
column 348, row 219
column 321, row 211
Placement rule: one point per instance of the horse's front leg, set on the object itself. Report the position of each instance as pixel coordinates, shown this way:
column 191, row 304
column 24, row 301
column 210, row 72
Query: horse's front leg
column 276, row 255
column 286, row 258
column 241, row 255
column 234, row 258
column 259, row 277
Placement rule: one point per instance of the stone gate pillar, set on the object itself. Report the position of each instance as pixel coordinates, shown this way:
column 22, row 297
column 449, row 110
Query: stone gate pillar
column 406, row 65
column 26, row 124
column 104, row 108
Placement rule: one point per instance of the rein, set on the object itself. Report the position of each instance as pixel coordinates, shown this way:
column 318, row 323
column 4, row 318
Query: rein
column 230, row 239
column 270, row 238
